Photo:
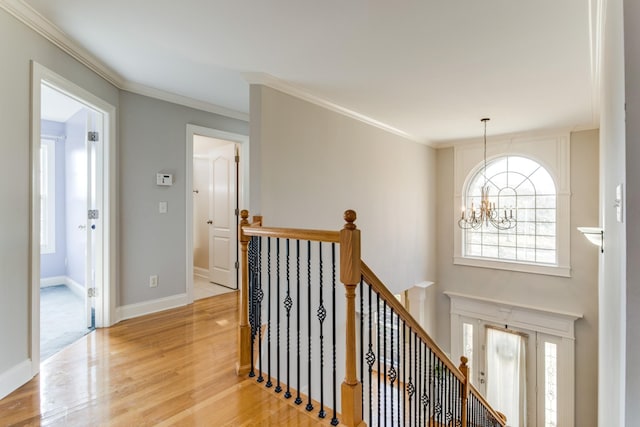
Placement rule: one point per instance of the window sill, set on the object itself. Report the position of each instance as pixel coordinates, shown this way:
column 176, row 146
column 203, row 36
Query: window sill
column 560, row 270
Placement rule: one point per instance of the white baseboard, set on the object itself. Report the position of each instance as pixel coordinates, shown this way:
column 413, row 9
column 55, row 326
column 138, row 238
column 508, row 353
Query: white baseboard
column 76, row 287
column 140, row 309
column 201, row 272
column 53, row 281
column 73, row 286
column 15, row 377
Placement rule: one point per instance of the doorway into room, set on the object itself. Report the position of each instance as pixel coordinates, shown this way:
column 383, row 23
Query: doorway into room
column 213, row 210
column 68, row 190
column 71, row 204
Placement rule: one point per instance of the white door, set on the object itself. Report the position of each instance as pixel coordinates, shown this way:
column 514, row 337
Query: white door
column 222, row 221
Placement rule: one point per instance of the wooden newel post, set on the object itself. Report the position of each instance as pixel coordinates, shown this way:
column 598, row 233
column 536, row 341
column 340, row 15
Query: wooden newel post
column 350, row 276
column 244, row 330
column 464, row 368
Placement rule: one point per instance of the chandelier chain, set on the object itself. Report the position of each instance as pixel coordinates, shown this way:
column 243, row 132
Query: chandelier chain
column 486, row 213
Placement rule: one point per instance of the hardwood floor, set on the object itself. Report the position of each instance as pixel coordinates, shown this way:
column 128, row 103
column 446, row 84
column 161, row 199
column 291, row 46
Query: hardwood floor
column 174, row 368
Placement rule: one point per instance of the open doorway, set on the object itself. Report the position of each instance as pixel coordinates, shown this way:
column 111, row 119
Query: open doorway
column 68, row 185
column 214, row 192
column 71, row 214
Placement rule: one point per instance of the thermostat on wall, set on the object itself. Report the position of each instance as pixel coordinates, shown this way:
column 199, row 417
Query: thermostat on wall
column 164, row 179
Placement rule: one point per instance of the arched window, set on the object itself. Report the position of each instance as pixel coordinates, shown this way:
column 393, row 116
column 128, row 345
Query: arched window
column 526, row 190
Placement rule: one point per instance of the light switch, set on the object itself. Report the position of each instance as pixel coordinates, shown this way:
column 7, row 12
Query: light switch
column 163, row 207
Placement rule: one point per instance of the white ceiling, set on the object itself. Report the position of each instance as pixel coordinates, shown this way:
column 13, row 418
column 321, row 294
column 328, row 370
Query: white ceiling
column 56, row 106
column 429, row 68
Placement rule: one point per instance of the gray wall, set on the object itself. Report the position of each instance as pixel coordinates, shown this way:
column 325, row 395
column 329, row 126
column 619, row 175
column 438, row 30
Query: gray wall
column 19, row 46
column 632, row 91
column 152, row 139
column 577, row 294
column 310, row 164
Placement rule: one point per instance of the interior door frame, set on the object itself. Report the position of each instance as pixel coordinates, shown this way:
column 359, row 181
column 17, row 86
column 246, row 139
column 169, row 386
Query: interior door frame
column 242, row 190
column 106, row 292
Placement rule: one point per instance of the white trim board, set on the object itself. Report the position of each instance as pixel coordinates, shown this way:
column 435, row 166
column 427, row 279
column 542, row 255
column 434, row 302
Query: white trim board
column 201, row 272
column 73, row 286
column 543, row 320
column 15, row 377
column 148, row 307
column 42, row 26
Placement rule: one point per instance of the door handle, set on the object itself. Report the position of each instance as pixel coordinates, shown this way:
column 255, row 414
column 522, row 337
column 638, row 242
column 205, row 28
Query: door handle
column 209, row 222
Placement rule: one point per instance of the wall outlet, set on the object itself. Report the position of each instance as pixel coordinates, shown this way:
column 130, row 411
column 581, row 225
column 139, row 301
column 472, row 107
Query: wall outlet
column 153, row 281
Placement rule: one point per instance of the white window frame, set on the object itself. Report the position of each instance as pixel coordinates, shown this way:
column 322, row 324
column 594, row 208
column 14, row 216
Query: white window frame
column 553, row 153
column 48, row 195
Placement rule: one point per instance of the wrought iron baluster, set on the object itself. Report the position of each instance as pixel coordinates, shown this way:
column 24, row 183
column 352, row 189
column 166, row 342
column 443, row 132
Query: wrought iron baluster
column 309, row 406
column 334, row 419
column 260, row 298
column 269, row 302
column 410, row 386
column 400, row 390
column 252, row 300
column 361, row 346
column 392, row 370
column 420, row 383
column 371, row 357
column 384, row 329
column 322, row 315
column 288, row 303
column 380, row 356
column 278, row 388
column 298, row 400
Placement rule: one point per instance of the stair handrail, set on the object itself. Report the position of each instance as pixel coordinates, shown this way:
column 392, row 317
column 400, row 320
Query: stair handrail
column 352, row 270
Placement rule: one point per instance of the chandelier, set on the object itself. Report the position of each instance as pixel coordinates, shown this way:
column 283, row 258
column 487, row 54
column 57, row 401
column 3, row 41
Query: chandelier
column 486, row 213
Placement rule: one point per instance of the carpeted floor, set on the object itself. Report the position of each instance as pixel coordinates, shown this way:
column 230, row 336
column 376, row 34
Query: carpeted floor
column 62, row 319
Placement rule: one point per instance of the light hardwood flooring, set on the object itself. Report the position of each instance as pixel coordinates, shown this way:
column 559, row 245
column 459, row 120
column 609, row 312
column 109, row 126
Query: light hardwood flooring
column 174, row 368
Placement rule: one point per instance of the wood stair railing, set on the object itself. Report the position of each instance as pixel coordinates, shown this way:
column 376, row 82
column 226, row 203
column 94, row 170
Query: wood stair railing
column 420, row 384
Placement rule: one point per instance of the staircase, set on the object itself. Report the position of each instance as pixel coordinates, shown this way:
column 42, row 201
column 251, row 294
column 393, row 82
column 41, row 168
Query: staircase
column 291, row 321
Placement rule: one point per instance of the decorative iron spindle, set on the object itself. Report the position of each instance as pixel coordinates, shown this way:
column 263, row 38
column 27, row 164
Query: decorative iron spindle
column 269, row 383
column 384, row 344
column 260, row 299
column 420, row 385
column 380, row 356
column 252, row 300
column 288, row 303
column 410, row 386
column 371, row 358
column 392, row 370
column 400, row 399
column 278, row 388
column 298, row 400
column 322, row 315
column 309, row 406
column 334, row 419
column 361, row 346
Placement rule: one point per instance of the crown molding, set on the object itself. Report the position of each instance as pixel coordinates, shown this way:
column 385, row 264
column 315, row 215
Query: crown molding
column 42, row 26
column 274, row 83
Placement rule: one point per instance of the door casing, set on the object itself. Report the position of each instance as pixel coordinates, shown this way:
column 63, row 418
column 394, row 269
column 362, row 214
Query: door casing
column 105, row 303
column 242, row 189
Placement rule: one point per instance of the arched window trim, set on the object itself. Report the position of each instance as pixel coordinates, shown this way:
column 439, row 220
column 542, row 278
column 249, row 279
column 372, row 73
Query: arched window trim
column 477, row 176
column 551, row 152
